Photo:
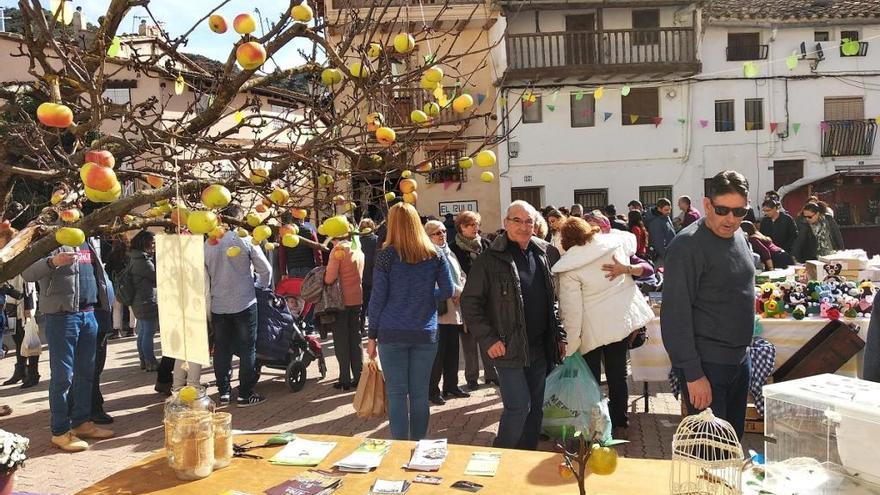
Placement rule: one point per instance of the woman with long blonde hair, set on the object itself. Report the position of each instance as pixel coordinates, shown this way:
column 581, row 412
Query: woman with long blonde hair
column 409, row 279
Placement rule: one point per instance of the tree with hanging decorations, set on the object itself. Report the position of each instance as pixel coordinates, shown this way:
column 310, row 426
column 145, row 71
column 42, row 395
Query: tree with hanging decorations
column 173, row 160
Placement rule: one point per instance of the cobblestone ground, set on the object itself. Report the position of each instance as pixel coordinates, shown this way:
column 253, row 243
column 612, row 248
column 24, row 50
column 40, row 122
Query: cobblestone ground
column 318, row 409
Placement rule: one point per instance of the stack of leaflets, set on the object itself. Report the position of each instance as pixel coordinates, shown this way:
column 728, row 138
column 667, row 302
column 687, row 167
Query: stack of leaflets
column 483, row 464
column 390, row 487
column 302, row 452
column 368, row 456
column 311, row 482
column 428, row 455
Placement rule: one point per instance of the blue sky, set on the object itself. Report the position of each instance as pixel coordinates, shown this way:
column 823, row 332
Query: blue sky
column 180, row 15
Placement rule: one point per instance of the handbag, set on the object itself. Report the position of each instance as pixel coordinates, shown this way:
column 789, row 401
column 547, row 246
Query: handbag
column 369, row 399
column 637, row 338
column 31, row 345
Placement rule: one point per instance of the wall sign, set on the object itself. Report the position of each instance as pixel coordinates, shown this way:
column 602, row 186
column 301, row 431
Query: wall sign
column 456, row 207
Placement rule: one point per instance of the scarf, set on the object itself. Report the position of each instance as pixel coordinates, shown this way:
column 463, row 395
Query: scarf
column 823, row 238
column 451, row 260
column 470, row 246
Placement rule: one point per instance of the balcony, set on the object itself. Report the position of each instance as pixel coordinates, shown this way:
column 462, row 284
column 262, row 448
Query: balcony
column 405, row 100
column 585, row 54
column 747, row 52
column 379, row 4
column 848, row 137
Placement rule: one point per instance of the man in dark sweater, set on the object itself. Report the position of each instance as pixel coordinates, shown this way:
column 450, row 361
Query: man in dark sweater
column 778, row 225
column 709, row 303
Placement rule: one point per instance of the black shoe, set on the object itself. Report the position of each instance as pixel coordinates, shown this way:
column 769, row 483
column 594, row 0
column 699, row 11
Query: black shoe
column 114, row 335
column 143, row 364
column 341, row 386
column 457, row 392
column 225, row 399
column 30, row 380
column 437, row 400
column 253, row 400
column 128, row 333
column 472, row 386
column 17, row 375
column 493, row 381
column 163, row 388
column 101, row 418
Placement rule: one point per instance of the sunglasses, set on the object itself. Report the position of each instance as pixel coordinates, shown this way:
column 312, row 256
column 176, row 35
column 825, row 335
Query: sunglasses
column 723, row 211
column 808, row 217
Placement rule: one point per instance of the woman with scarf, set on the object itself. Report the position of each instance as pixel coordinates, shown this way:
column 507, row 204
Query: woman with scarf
column 820, row 236
column 449, row 324
column 467, row 247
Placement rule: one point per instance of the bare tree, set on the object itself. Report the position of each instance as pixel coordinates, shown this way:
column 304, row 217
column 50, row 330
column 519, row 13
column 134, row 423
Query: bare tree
column 315, row 151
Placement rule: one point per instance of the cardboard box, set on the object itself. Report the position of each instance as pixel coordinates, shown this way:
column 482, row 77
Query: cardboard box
column 850, row 259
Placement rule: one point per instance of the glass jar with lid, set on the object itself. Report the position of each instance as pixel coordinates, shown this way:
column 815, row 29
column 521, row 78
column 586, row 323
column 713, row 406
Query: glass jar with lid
column 189, row 434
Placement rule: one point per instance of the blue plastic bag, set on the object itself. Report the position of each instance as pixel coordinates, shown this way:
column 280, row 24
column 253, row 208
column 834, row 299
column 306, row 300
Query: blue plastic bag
column 573, row 402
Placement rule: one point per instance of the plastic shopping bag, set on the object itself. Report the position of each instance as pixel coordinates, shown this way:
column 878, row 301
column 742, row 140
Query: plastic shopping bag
column 573, row 402
column 369, row 400
column 31, row 345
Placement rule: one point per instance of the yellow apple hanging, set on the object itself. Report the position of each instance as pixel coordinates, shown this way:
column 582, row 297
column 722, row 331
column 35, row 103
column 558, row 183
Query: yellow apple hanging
column 389, row 196
column 290, row 240
column 358, row 69
column 434, row 74
column 216, row 196
column 374, row 50
column 331, row 76
column 325, row 180
column 404, row 43
column 411, row 197
column 487, row 176
column 406, row 174
column 386, row 136
column 374, row 121
column 259, row 175
column 431, row 109
column 465, row 162
column 217, row 24
column 244, row 24
column 262, row 232
column 418, row 117
column 302, row 12
column 201, row 222
column 462, row 103
column 486, row 158
column 250, row 55
column 279, row 196
column 69, row 236
column 253, row 219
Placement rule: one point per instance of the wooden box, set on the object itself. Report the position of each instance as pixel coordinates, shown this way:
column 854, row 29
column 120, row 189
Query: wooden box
column 826, row 352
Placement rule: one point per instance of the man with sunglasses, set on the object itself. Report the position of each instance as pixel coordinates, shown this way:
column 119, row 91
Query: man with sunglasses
column 709, row 303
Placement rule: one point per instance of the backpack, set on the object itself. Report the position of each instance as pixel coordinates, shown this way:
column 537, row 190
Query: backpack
column 313, row 285
column 123, row 285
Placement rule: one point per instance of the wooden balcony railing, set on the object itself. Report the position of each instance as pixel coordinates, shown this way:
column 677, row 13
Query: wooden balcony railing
column 405, row 100
column 619, row 50
column 747, row 52
column 848, row 137
column 358, row 4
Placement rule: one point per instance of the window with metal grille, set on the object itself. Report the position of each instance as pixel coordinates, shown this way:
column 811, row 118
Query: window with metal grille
column 754, row 114
column 649, row 195
column 119, row 96
column 745, row 46
column 583, row 110
column 822, row 36
column 531, row 110
column 531, row 195
column 591, row 199
column 851, row 35
column 640, row 106
column 724, row 117
column 844, row 108
column 445, row 166
column 648, row 20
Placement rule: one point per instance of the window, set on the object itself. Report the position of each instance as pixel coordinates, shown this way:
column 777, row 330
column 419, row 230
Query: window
column 822, row 36
column 754, row 114
column 531, row 195
column 643, row 103
column 844, row 108
column 119, row 96
column 649, row 195
column 203, row 101
column 531, row 111
column 591, row 199
column 852, row 36
column 445, row 166
column 745, row 46
column 583, row 111
column 786, row 171
column 648, row 20
column 849, row 35
column 724, row 118
column 281, row 112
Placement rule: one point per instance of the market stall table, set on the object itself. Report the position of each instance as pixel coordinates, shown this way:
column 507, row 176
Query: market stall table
column 524, row 472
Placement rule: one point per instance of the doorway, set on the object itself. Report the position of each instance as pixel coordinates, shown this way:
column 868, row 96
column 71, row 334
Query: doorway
column 786, row 172
column 580, row 39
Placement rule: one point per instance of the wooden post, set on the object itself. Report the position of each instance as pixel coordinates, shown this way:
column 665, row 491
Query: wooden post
column 600, row 27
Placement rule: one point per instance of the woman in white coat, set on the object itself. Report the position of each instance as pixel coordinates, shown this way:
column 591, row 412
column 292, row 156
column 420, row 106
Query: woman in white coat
column 599, row 307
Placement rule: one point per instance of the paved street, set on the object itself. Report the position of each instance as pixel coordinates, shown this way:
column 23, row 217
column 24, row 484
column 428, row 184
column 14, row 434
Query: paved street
column 317, row 409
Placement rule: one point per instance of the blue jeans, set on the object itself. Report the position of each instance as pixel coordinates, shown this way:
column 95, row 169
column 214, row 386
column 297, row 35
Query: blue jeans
column 730, row 390
column 407, row 369
column 146, row 333
column 72, row 342
column 235, row 334
column 522, row 394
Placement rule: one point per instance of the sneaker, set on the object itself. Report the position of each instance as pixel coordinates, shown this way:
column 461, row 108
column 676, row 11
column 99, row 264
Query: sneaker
column 225, row 399
column 69, row 442
column 89, row 430
column 253, row 400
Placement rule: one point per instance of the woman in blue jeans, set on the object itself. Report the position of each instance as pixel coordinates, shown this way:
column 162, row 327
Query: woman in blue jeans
column 144, row 305
column 409, row 279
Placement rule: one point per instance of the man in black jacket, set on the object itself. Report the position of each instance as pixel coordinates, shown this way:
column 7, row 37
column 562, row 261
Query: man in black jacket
column 778, row 225
column 509, row 305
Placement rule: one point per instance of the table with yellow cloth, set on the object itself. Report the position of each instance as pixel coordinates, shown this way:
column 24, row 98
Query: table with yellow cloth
column 520, row 472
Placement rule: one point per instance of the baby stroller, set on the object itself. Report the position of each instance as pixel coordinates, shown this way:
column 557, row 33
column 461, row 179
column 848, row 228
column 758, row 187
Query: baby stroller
column 282, row 345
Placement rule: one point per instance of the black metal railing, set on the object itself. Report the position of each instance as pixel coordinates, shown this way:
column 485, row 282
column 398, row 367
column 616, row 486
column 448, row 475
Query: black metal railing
column 619, row 47
column 848, row 137
column 747, row 52
column 357, row 4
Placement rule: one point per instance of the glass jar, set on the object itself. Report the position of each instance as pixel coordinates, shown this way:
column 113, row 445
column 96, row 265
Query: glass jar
column 222, row 440
column 189, row 432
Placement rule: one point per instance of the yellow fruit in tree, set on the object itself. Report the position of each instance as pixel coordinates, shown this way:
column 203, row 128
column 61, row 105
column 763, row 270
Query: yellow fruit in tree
column 434, row 74
column 279, row 196
column 487, row 176
column 426, row 84
column 201, row 222
column 289, row 228
column 253, row 219
column 389, row 196
column 217, row 24
column 69, row 236
column 217, row 232
column 565, row 472
column 411, row 197
column 164, row 209
column 259, row 175
column 102, row 196
column 216, row 196
column 404, row 43
column 425, row 167
column 462, row 103
column 374, row 121
column 262, row 232
column 244, row 24
column 386, row 136
column 358, row 69
column 408, row 185
column 270, row 246
column 302, row 12
column 290, row 240
column 325, row 180
column 250, row 55
column 486, row 158
column 188, row 394
column 337, row 226
column 242, row 232
column 179, row 215
column 603, row 460
column 406, row 174
column 465, row 162
column 418, row 117
column 233, row 251
column 431, row 109
column 300, row 213
column 255, row 241
column 374, row 50
column 331, row 76
column 349, row 207
column 57, row 197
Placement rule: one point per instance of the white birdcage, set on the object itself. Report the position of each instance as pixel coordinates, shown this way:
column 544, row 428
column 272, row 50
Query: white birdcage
column 707, row 458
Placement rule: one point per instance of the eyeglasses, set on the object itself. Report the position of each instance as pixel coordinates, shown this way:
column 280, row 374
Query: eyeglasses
column 439, row 232
column 519, row 221
column 723, row 211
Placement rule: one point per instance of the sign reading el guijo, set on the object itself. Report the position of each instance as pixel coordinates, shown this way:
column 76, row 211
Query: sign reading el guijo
column 456, row 207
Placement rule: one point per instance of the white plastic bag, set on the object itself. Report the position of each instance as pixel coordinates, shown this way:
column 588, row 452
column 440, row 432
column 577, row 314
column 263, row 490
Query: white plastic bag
column 31, row 345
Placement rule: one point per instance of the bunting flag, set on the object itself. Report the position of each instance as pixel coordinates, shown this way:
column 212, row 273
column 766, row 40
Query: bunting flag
column 633, row 119
column 179, row 84
column 877, row 119
column 580, row 96
column 824, row 126
column 599, row 93
column 530, row 97
column 704, row 123
column 750, row 69
column 796, row 127
column 239, row 116
column 682, row 121
column 657, row 121
column 749, row 126
column 481, row 97
column 551, row 107
column 503, row 101
column 607, row 116
column 773, row 126
column 624, row 91
column 791, row 61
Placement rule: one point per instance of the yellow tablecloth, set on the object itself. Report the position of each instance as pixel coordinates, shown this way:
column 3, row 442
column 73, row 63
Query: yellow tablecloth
column 520, row 472
column 650, row 363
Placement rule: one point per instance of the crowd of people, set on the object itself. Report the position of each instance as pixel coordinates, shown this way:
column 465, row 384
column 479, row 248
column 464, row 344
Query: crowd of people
column 424, row 292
